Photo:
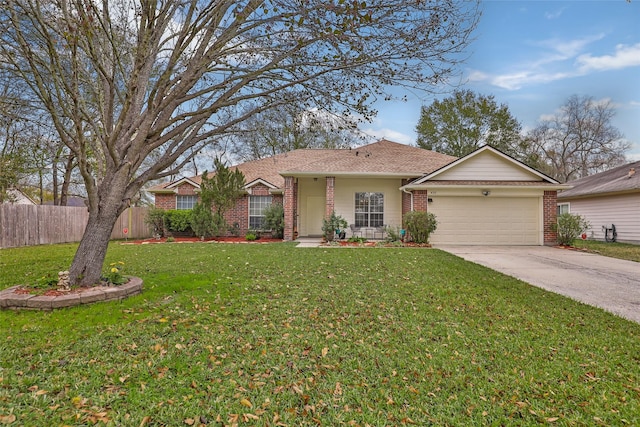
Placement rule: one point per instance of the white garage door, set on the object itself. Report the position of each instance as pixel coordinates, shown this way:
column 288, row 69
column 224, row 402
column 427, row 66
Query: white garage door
column 486, row 220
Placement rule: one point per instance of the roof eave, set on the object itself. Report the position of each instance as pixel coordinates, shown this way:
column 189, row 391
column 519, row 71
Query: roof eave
column 427, row 186
column 408, row 174
column 602, row 194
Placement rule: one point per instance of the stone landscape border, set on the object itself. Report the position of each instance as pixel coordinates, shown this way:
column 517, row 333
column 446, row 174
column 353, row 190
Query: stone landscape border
column 12, row 300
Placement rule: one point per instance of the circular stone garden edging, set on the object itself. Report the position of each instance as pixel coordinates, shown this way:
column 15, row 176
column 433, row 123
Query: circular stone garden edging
column 12, row 300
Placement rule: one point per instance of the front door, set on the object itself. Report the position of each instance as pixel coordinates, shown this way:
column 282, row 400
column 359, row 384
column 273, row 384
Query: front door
column 314, row 215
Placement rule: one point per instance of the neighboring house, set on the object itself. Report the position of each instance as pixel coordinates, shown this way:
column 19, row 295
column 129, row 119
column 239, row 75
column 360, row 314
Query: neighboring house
column 484, row 198
column 611, row 197
column 17, row 197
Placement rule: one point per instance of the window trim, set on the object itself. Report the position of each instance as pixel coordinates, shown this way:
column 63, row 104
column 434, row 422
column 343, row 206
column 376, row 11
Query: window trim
column 269, row 198
column 369, row 213
column 191, row 196
column 561, row 205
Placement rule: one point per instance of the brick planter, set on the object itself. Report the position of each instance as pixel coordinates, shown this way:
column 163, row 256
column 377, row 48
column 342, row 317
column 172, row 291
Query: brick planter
column 12, row 300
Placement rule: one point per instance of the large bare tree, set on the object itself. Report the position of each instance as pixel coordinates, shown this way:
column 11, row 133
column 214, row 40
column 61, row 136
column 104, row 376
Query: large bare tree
column 579, row 140
column 287, row 128
column 125, row 81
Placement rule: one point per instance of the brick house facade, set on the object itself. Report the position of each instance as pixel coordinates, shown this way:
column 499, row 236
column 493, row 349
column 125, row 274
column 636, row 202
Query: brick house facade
column 487, row 185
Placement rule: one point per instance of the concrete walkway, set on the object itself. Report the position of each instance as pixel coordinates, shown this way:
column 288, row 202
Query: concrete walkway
column 308, row 242
column 604, row 282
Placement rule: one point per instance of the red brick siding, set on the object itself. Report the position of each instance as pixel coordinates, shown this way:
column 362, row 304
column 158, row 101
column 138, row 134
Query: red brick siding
column 165, row 201
column 168, row 201
column 420, row 200
column 550, row 209
column 406, row 199
column 290, row 189
column 330, row 194
column 239, row 213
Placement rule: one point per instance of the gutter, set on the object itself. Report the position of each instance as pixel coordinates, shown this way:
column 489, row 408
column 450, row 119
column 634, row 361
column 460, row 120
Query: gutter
column 404, row 190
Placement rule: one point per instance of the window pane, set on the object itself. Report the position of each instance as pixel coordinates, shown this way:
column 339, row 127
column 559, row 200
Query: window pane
column 369, row 209
column 186, row 202
column 257, row 205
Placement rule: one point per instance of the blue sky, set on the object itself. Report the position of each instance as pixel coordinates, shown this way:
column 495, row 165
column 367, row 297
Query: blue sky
column 533, row 55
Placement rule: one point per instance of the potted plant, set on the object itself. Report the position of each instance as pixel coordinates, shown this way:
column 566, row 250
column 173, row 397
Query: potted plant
column 332, row 224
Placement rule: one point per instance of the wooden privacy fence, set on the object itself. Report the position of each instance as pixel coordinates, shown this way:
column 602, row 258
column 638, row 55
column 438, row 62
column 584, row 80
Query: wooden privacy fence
column 29, row 225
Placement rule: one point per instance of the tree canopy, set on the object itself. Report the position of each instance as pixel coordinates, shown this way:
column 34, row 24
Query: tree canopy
column 579, row 140
column 465, row 121
column 135, row 88
column 288, row 128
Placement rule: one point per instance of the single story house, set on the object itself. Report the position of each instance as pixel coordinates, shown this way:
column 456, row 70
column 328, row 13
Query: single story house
column 484, row 198
column 606, row 198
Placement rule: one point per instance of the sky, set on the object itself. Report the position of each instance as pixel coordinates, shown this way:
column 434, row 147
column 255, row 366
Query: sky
column 533, row 55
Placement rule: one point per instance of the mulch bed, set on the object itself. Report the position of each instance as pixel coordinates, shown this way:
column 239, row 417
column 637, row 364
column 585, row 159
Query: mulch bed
column 199, row 240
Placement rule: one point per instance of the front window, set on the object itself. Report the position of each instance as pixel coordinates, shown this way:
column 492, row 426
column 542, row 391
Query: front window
column 369, row 209
column 186, row 202
column 563, row 208
column 257, row 205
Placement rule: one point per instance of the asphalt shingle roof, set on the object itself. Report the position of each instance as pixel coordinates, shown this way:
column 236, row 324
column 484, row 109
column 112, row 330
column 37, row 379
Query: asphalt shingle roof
column 382, row 157
column 616, row 180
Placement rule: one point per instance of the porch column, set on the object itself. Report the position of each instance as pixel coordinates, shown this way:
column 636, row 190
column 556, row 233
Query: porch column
column 288, row 203
column 550, row 212
column 330, row 191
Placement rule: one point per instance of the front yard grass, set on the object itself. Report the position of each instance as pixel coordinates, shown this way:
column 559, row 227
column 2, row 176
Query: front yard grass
column 273, row 335
column 614, row 250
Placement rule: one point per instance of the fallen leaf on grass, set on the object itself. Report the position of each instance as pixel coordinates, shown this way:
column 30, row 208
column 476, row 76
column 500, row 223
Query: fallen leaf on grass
column 7, row 419
column 245, row 402
column 189, row 421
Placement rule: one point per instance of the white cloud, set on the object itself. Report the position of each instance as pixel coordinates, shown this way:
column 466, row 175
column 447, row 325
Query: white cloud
column 390, row 134
column 554, row 15
column 516, row 81
column 625, row 56
column 561, row 50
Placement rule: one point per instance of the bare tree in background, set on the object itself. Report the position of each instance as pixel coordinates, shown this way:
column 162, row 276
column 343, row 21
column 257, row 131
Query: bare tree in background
column 125, row 81
column 288, row 128
column 577, row 141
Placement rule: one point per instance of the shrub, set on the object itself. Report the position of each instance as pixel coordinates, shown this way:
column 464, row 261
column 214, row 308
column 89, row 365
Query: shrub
column 155, row 221
column 420, row 225
column 177, row 220
column 393, row 234
column 569, row 227
column 251, row 236
column 274, row 220
column 331, row 224
column 234, row 229
column 202, row 221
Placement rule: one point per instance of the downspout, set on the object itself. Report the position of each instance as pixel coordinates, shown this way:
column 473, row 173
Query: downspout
column 410, row 194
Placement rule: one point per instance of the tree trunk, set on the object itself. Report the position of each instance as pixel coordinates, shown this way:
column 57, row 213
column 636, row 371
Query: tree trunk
column 86, row 267
column 66, row 182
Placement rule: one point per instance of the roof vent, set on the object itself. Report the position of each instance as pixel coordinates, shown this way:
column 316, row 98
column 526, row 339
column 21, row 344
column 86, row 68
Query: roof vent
column 632, row 171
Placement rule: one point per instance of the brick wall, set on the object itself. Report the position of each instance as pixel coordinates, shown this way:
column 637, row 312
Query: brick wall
column 550, row 209
column 239, row 213
column 330, row 196
column 420, row 200
column 168, row 201
column 289, row 208
column 165, row 201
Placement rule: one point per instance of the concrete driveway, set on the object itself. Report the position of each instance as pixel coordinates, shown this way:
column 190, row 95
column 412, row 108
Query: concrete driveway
column 604, row 282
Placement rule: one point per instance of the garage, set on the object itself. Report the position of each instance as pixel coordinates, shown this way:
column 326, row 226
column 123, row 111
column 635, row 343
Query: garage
column 487, row 220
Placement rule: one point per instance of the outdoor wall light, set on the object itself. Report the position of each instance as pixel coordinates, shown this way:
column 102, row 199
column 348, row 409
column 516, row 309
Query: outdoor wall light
column 486, row 192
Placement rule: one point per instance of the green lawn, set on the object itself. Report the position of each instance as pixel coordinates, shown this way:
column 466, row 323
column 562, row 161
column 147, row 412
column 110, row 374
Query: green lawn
column 272, row 335
column 615, row 250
